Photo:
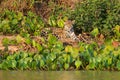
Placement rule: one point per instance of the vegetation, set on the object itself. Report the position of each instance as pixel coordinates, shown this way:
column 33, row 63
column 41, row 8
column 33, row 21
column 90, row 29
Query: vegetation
column 91, row 14
column 98, row 18
column 16, row 23
column 54, row 56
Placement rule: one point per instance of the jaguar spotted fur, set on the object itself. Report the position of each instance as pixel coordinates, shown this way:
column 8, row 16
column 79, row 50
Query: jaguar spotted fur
column 67, row 33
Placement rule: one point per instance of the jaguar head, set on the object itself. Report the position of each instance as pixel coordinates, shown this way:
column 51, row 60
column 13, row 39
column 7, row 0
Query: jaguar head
column 68, row 25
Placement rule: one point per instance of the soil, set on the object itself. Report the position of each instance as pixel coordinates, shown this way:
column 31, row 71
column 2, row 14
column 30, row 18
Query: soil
column 11, row 47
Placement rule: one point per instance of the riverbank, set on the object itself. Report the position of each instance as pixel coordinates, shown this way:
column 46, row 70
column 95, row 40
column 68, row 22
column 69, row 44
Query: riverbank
column 24, row 45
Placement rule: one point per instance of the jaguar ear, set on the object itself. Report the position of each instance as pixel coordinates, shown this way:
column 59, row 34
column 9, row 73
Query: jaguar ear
column 73, row 21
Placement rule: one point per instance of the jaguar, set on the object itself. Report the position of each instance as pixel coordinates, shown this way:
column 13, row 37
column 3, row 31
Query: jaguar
column 62, row 34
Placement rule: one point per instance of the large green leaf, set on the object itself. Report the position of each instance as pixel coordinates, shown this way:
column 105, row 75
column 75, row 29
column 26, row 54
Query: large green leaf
column 20, row 15
column 66, row 66
column 69, row 49
column 95, row 32
column 5, row 41
column 23, row 55
column 39, row 47
column 14, row 21
column 52, row 39
column 34, row 64
column 37, row 57
column 75, row 53
column 42, row 63
column 92, row 64
column 118, row 65
column 60, row 23
column 12, row 64
column 52, row 57
column 22, row 64
column 52, row 21
column 54, row 66
column 78, row 63
column 11, row 57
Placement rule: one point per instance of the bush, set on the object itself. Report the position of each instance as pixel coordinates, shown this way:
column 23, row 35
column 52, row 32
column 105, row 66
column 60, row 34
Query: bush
column 17, row 5
column 17, row 23
column 101, row 14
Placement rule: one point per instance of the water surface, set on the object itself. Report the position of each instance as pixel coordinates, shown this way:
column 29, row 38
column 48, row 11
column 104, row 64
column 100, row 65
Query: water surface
column 59, row 75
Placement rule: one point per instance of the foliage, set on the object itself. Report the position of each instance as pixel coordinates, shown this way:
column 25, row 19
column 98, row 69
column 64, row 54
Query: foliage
column 58, row 15
column 17, row 5
column 52, row 55
column 7, row 42
column 94, row 16
column 116, row 31
column 16, row 23
column 101, row 14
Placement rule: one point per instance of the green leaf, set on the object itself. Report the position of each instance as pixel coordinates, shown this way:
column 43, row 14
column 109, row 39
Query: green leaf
column 33, row 43
column 78, row 63
column 22, row 64
column 24, row 55
column 52, row 21
column 69, row 49
column 117, row 31
column 53, row 66
column 39, row 47
column 20, row 15
column 94, row 32
column 12, row 63
column 31, row 14
column 99, row 59
column 10, row 57
column 52, row 56
column 69, row 59
column 5, row 41
column 66, row 66
column 5, row 22
column 92, row 63
column 14, row 21
column 109, row 61
column 34, row 64
column 81, row 49
column 91, row 66
column 60, row 23
column 42, row 63
column 19, row 38
column 108, row 48
column 59, row 45
column 37, row 57
column 29, row 59
column 0, row 66
column 5, row 65
column 52, row 39
column 65, row 56
column 118, row 65
column 34, row 21
column 75, row 53
column 28, row 40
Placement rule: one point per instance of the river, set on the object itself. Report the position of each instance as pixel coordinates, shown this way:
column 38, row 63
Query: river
column 59, row 75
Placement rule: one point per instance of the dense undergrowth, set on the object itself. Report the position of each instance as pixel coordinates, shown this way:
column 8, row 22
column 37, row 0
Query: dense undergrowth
column 96, row 17
column 54, row 56
column 103, row 15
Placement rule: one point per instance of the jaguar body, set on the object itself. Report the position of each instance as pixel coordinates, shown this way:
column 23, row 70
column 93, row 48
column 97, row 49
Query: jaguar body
column 66, row 33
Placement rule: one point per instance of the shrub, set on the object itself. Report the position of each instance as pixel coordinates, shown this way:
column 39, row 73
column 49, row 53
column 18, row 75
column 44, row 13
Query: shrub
column 101, row 14
column 17, row 23
column 17, row 5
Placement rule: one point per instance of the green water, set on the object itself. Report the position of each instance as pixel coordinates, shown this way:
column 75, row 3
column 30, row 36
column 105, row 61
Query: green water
column 59, row 75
